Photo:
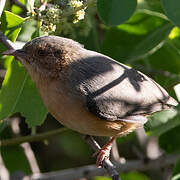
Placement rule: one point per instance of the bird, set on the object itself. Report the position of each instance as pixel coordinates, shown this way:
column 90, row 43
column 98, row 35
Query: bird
column 89, row 92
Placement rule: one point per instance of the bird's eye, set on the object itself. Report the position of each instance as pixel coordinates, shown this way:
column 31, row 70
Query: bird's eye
column 57, row 53
column 41, row 53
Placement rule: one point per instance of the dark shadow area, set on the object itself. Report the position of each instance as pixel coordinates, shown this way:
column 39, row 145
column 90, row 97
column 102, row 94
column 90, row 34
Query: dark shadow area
column 100, row 80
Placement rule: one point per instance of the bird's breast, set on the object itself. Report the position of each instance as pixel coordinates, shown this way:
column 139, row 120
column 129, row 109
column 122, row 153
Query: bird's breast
column 71, row 111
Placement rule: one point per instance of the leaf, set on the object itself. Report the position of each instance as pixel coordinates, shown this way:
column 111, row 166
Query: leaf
column 16, row 9
column 176, row 177
column 76, row 143
column 15, row 160
column 176, row 171
column 18, row 92
column 154, row 5
column 126, row 176
column 170, row 141
column 115, row 12
column 134, row 176
column 11, row 25
column 101, row 178
column 12, row 155
column 161, row 122
column 3, row 125
column 166, row 58
column 171, row 8
column 177, row 91
column 137, row 38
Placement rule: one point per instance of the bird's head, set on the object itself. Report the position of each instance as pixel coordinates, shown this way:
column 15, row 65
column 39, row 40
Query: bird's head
column 46, row 55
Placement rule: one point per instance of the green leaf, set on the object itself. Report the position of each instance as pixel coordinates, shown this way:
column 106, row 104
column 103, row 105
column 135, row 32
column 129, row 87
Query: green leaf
column 176, row 171
column 11, row 25
column 101, row 178
column 115, row 12
column 76, row 143
column 134, row 176
column 137, row 38
column 126, row 176
column 3, row 125
column 15, row 159
column 16, row 9
column 176, row 177
column 171, row 8
column 19, row 94
column 166, row 58
column 161, row 122
column 170, row 141
column 177, row 91
column 154, row 5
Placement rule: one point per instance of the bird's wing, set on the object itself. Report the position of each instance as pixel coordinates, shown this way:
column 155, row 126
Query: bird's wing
column 114, row 91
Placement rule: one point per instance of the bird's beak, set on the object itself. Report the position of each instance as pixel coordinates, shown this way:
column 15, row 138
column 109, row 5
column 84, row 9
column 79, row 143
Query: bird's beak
column 18, row 53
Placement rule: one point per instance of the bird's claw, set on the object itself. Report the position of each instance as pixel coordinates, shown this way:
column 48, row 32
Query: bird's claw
column 102, row 154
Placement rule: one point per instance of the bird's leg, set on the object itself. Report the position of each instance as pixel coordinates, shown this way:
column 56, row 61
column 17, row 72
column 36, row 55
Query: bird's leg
column 104, row 152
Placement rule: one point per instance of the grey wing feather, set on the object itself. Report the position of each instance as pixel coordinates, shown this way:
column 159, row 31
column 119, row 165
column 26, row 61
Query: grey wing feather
column 114, row 91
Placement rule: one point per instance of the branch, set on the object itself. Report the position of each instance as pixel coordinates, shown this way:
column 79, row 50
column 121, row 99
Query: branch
column 106, row 162
column 31, row 138
column 91, row 170
column 5, row 41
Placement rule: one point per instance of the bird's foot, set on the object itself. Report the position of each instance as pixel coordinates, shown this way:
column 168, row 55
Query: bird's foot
column 103, row 153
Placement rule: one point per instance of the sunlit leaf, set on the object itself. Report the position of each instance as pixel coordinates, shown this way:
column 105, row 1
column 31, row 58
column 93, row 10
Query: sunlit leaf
column 11, row 25
column 135, row 39
column 18, row 92
column 161, row 122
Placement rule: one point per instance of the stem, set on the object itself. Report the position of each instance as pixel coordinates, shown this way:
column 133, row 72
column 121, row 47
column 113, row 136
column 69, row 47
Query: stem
column 5, row 41
column 31, row 138
column 91, row 170
column 110, row 168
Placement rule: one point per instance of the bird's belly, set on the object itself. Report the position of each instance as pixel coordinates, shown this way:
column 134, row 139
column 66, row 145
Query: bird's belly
column 73, row 113
column 86, row 123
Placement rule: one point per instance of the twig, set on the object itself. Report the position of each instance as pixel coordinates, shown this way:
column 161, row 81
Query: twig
column 25, row 146
column 37, row 137
column 91, row 170
column 106, row 162
column 5, row 41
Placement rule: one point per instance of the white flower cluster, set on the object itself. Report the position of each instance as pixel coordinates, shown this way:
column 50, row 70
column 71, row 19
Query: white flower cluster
column 50, row 19
column 62, row 17
column 79, row 15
